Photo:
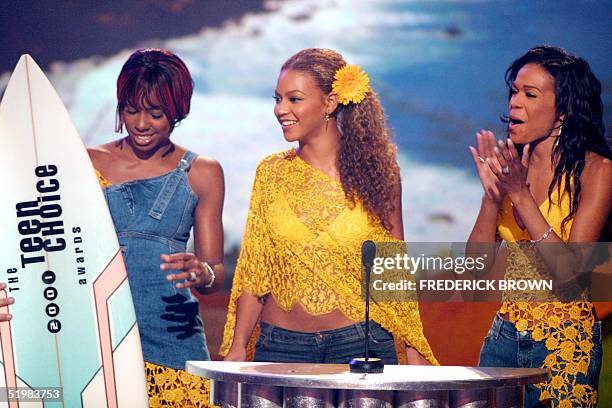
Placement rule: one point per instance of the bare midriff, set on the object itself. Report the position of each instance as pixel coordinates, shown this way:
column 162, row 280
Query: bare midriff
column 297, row 319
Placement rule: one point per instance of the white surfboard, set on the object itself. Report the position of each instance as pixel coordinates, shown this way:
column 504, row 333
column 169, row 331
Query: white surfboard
column 73, row 322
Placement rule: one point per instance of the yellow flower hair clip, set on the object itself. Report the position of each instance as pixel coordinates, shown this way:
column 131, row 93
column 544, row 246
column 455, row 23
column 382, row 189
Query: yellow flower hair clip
column 351, row 84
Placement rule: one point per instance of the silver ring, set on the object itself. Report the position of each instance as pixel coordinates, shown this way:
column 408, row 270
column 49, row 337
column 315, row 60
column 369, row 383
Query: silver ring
column 506, row 170
column 481, row 159
column 192, row 276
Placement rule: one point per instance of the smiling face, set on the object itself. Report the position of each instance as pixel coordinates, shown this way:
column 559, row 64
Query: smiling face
column 147, row 125
column 300, row 106
column 532, row 109
column 152, row 78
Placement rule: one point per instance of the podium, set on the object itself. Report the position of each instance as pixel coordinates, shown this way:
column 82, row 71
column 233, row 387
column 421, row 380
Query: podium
column 292, row 385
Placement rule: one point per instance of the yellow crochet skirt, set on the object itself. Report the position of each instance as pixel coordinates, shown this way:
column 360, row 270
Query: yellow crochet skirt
column 168, row 387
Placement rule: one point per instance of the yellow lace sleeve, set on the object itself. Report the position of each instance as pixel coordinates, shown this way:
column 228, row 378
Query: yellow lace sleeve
column 256, row 259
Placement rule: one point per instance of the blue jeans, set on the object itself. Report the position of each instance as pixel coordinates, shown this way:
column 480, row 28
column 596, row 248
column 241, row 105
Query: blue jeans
column 337, row 346
column 504, row 346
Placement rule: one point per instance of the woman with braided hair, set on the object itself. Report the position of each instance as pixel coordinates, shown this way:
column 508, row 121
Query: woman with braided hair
column 299, row 270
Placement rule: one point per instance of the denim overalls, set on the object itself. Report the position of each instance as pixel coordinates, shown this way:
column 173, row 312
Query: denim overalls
column 153, row 217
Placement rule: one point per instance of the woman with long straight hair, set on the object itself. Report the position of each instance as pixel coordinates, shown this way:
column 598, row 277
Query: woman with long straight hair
column 542, row 202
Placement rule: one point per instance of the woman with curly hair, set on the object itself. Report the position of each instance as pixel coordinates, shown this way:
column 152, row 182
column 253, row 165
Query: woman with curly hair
column 299, row 270
column 542, row 202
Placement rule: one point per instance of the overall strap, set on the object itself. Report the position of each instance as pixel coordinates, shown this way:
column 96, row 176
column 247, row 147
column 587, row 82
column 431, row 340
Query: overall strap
column 169, row 187
column 185, row 163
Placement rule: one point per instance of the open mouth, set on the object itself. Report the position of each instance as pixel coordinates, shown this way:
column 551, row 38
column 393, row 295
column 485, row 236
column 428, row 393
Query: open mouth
column 287, row 123
column 514, row 121
column 143, row 138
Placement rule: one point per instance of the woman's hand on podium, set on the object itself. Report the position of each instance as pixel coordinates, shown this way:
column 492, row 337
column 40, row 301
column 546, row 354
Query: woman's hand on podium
column 415, row 358
column 236, row 354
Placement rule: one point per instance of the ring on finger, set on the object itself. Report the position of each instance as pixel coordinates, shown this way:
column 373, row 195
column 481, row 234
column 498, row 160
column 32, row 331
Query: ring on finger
column 192, row 276
column 481, row 159
column 505, row 170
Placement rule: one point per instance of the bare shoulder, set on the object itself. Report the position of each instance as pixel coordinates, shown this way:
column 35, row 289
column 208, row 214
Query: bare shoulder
column 206, row 176
column 101, row 155
column 597, row 175
column 597, row 169
column 597, row 160
column 96, row 152
column 206, row 166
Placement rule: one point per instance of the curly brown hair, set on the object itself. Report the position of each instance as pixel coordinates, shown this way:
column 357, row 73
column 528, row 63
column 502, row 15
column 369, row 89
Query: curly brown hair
column 367, row 158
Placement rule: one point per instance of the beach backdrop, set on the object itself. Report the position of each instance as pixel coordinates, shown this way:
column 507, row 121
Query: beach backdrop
column 438, row 66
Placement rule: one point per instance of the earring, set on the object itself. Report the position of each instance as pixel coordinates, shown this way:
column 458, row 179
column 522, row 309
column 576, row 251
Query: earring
column 327, row 117
column 558, row 136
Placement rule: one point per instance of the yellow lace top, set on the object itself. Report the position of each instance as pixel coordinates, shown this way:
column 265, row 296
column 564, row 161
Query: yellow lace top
column 302, row 245
column 102, row 180
column 566, row 327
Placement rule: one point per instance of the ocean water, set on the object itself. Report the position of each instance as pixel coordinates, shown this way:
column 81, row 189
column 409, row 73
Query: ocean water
column 438, row 66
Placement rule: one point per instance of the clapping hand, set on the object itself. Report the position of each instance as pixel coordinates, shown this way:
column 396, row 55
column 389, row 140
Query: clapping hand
column 488, row 166
column 512, row 169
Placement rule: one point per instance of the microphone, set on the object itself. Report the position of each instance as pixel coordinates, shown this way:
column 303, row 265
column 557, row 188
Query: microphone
column 366, row 364
column 368, row 253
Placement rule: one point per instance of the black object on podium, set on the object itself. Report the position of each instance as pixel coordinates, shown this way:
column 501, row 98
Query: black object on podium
column 367, row 364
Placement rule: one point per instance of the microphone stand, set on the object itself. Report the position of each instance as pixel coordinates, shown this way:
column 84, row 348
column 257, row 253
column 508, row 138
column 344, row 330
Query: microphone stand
column 367, row 364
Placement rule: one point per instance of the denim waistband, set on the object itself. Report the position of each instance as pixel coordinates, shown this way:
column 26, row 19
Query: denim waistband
column 508, row 329
column 354, row 329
